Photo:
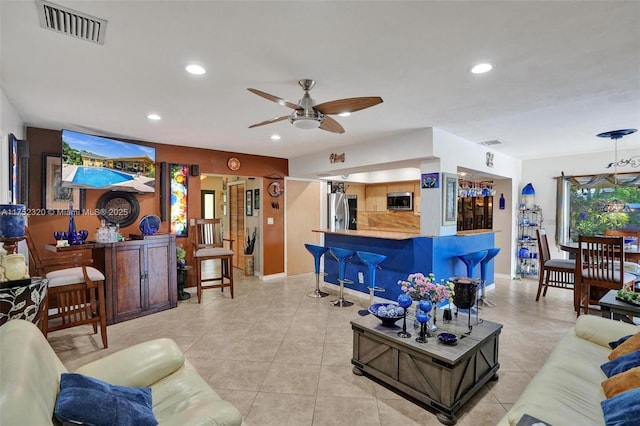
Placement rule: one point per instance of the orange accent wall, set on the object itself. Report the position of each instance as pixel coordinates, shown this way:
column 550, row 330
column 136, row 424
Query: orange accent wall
column 273, row 208
column 210, row 161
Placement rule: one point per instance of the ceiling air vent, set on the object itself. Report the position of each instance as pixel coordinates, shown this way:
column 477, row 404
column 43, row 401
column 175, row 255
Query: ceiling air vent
column 70, row 22
column 489, row 143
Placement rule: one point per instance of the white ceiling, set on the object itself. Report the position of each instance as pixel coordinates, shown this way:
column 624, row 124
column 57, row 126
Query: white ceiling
column 564, row 71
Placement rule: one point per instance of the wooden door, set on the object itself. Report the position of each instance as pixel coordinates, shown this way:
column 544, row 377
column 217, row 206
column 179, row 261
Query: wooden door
column 128, row 276
column 236, row 223
column 303, row 215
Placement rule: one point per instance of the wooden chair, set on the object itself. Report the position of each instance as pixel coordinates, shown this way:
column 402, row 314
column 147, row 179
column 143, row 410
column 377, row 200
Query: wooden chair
column 76, row 294
column 209, row 245
column 598, row 268
column 558, row 273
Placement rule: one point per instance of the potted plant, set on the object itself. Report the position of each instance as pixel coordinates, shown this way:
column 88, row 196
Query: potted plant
column 249, row 246
column 181, row 255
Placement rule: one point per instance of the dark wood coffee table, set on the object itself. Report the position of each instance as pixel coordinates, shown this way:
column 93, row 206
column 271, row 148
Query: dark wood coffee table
column 612, row 308
column 438, row 377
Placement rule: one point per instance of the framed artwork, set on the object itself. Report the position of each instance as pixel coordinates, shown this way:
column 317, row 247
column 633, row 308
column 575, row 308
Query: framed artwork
column 256, row 199
column 430, row 180
column 55, row 197
column 449, row 198
column 249, row 202
column 18, row 170
column 178, row 174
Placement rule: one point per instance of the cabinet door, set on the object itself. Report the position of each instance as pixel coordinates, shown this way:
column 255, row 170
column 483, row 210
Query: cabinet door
column 128, row 278
column 158, row 281
column 376, row 198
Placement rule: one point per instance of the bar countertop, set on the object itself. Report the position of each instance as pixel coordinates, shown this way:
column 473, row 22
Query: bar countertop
column 368, row 233
column 396, row 235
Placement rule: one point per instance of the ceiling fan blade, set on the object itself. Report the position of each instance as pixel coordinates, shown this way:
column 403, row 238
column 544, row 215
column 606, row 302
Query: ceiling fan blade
column 348, row 105
column 273, row 120
column 331, row 125
column 275, row 99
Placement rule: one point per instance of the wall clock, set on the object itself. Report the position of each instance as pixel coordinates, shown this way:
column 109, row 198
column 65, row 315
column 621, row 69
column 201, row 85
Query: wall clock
column 275, row 189
column 119, row 208
column 233, row 164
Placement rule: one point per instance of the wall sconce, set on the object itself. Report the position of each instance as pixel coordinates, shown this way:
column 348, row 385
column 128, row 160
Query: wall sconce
column 336, row 158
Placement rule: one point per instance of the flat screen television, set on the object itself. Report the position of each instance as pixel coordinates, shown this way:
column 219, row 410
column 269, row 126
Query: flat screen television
column 94, row 162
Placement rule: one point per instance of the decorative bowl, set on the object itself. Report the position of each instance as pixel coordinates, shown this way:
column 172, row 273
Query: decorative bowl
column 448, row 339
column 387, row 321
column 149, row 224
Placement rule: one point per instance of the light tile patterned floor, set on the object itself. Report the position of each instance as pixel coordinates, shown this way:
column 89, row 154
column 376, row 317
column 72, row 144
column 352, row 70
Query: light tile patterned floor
column 284, row 359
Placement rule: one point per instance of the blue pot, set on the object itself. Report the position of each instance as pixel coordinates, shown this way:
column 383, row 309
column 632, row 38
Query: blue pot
column 12, row 220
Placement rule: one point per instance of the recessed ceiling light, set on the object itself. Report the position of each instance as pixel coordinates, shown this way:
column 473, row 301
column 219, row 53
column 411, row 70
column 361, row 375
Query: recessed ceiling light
column 481, row 68
column 344, row 114
column 195, row 69
column 275, row 137
column 154, row 117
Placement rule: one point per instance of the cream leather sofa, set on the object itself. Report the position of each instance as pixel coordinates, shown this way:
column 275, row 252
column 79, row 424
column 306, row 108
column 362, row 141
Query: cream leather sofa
column 30, row 376
column 567, row 390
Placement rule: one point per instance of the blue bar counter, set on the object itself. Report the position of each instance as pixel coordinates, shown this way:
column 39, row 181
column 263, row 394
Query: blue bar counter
column 406, row 254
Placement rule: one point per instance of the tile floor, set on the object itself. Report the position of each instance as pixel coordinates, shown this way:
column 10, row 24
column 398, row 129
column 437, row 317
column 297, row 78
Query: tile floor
column 284, row 359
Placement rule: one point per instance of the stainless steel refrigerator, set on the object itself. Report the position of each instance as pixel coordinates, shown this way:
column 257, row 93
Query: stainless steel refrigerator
column 342, row 211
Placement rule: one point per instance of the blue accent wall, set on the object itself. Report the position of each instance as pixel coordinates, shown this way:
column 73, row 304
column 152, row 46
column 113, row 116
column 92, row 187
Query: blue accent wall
column 420, row 254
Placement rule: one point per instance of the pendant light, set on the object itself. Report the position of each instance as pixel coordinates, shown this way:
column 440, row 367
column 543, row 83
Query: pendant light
column 616, row 206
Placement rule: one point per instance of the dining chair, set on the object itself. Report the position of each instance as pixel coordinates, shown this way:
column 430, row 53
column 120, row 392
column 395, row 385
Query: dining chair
column 76, row 293
column 208, row 245
column 596, row 270
column 558, row 273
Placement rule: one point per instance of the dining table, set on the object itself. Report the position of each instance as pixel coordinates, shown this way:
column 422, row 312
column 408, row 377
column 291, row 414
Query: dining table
column 631, row 253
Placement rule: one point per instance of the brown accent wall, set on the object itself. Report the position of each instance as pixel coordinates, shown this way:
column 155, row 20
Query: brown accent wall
column 273, row 208
column 210, row 161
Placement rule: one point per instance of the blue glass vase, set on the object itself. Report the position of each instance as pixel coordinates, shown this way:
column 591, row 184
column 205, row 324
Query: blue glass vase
column 72, row 235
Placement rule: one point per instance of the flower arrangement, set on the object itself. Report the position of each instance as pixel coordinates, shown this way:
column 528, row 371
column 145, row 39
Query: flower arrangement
column 419, row 286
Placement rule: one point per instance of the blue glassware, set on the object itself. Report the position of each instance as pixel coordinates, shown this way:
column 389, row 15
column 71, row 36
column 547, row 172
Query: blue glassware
column 404, row 300
column 423, row 318
column 57, row 235
column 84, row 234
column 425, row 305
column 71, row 233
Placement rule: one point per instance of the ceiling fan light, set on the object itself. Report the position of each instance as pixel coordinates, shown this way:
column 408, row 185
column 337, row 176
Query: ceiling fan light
column 306, row 123
column 306, row 119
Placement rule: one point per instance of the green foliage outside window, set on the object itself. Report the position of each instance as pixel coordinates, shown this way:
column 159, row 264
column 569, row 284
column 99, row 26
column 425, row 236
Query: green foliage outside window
column 587, row 210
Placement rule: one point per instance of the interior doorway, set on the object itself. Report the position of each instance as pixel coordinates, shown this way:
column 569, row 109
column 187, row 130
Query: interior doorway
column 208, row 204
column 236, row 222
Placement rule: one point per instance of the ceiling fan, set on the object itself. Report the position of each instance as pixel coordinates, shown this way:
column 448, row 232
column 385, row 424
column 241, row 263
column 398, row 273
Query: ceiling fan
column 307, row 115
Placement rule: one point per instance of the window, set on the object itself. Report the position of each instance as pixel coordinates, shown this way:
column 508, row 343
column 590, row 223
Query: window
column 590, row 204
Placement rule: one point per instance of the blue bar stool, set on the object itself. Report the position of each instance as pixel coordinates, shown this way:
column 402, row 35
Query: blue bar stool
column 372, row 260
column 491, row 253
column 317, row 252
column 471, row 260
column 342, row 256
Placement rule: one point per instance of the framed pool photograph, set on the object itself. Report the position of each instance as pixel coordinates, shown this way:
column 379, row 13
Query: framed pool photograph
column 449, row 198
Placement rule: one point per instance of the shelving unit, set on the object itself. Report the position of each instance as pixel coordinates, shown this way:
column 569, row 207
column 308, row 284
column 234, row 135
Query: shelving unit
column 529, row 220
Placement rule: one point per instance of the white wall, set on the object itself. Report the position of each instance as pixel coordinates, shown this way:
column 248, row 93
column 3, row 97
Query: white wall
column 541, row 174
column 435, row 150
column 10, row 122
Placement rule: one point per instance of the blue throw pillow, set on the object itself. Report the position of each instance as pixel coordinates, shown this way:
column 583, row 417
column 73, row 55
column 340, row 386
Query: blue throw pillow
column 618, row 342
column 85, row 400
column 621, row 364
column 623, row 409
